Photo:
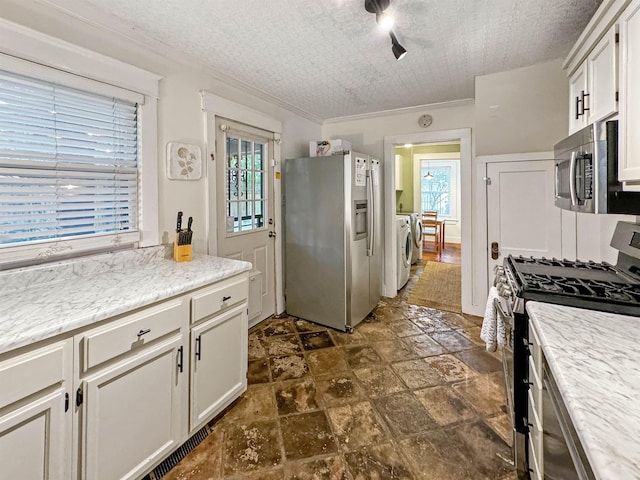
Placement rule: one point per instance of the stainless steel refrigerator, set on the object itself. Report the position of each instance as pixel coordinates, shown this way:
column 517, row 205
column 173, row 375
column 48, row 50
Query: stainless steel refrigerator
column 333, row 238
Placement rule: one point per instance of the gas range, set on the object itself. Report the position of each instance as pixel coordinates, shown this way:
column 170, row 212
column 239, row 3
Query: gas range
column 592, row 285
column 596, row 286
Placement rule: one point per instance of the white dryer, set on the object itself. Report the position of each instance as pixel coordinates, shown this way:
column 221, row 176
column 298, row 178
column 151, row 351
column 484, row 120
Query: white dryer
column 416, row 235
column 405, row 249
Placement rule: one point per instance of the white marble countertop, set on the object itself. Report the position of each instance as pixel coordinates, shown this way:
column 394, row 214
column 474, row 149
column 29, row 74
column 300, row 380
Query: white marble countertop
column 42, row 302
column 595, row 360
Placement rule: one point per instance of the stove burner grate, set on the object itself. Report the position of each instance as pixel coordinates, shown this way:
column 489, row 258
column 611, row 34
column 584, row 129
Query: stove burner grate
column 585, row 288
column 554, row 262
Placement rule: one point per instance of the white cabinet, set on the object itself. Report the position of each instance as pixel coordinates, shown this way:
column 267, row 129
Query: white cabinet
column 593, row 86
column 219, row 343
column 134, row 387
column 35, row 424
column 629, row 147
column 218, row 363
column 577, row 91
column 114, row 400
column 398, row 172
column 535, row 413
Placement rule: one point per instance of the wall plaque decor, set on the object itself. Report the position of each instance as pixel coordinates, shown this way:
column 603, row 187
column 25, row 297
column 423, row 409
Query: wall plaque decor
column 184, row 161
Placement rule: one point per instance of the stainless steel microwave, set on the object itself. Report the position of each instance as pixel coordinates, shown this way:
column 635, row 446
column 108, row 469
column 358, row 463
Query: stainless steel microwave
column 586, row 172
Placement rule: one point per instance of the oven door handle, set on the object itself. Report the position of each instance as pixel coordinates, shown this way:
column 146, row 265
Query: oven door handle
column 572, row 178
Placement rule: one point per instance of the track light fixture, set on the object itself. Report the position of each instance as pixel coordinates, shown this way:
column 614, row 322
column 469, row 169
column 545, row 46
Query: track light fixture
column 385, row 20
column 398, row 50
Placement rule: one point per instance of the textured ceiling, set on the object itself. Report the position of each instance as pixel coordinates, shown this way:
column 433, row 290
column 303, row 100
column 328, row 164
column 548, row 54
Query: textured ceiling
column 329, row 58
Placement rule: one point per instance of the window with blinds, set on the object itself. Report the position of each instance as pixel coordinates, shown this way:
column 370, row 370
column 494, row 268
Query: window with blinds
column 68, row 162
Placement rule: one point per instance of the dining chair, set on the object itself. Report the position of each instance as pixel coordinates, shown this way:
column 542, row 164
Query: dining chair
column 431, row 229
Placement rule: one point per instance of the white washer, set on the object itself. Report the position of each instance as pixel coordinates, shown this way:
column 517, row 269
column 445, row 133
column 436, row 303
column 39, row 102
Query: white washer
column 416, row 235
column 405, row 249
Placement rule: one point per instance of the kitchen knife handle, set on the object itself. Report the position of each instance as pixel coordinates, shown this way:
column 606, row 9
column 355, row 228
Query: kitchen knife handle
column 179, row 222
column 189, row 223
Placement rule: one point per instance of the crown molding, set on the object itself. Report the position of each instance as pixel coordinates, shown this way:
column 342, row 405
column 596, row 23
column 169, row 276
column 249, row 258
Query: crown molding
column 401, row 111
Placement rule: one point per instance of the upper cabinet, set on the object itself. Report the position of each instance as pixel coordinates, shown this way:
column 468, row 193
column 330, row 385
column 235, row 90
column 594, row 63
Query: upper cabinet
column 604, row 79
column 629, row 144
column 593, row 86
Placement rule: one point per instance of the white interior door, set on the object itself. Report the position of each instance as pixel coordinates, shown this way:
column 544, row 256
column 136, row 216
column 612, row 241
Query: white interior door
column 244, row 186
column 521, row 216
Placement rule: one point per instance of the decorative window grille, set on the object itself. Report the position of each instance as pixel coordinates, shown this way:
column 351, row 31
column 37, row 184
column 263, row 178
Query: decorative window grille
column 246, row 201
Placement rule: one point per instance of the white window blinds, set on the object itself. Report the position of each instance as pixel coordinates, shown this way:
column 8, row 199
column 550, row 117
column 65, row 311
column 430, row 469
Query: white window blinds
column 68, row 162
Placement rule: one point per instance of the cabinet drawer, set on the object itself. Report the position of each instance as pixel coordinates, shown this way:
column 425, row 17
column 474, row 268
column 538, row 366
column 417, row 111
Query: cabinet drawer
column 535, row 424
column 31, row 372
column 218, row 297
column 535, row 349
column 132, row 332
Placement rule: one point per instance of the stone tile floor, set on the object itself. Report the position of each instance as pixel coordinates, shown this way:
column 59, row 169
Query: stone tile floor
column 410, row 394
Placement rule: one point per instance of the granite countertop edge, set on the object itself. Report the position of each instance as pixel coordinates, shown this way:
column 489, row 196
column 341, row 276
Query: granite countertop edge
column 43, row 311
column 591, row 357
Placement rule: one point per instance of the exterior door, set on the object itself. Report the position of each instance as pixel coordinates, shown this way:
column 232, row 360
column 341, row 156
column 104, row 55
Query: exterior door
column 244, row 185
column 521, row 216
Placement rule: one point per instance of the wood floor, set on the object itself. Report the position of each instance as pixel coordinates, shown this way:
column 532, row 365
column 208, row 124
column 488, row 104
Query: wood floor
column 451, row 253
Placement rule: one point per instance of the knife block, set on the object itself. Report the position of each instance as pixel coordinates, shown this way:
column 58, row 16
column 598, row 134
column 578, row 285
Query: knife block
column 182, row 253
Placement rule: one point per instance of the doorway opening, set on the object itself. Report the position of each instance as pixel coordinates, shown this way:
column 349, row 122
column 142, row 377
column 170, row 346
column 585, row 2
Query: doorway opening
column 428, row 184
column 470, row 303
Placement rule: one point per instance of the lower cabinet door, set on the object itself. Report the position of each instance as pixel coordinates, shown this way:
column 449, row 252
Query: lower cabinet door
column 132, row 415
column 218, row 364
column 33, row 440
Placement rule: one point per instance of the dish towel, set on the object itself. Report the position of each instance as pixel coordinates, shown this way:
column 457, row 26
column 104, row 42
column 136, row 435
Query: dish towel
column 493, row 330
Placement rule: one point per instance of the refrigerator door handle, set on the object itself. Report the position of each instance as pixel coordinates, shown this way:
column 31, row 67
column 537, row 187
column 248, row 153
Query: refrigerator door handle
column 371, row 213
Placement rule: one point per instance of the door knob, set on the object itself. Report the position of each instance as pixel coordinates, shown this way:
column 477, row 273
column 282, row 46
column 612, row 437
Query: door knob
column 272, row 234
column 495, row 250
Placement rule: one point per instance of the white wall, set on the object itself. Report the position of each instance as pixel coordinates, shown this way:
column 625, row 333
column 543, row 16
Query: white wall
column 181, row 120
column 366, row 132
column 523, row 110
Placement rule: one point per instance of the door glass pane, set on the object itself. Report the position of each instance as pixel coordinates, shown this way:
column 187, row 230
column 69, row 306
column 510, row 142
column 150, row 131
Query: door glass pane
column 259, row 216
column 259, row 187
column 246, row 154
column 232, row 152
column 250, row 185
column 232, row 218
column 232, row 184
column 245, row 169
column 257, row 157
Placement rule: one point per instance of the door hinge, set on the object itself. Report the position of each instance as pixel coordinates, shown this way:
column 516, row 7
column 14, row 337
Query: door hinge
column 66, row 402
column 617, row 38
column 79, row 397
column 487, row 180
column 617, row 96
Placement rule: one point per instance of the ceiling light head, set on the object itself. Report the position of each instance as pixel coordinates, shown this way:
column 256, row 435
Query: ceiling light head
column 385, row 20
column 398, row 50
column 429, row 176
column 376, row 6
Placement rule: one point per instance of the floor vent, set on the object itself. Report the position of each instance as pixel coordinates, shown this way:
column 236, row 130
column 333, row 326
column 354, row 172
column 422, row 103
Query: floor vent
column 173, row 459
